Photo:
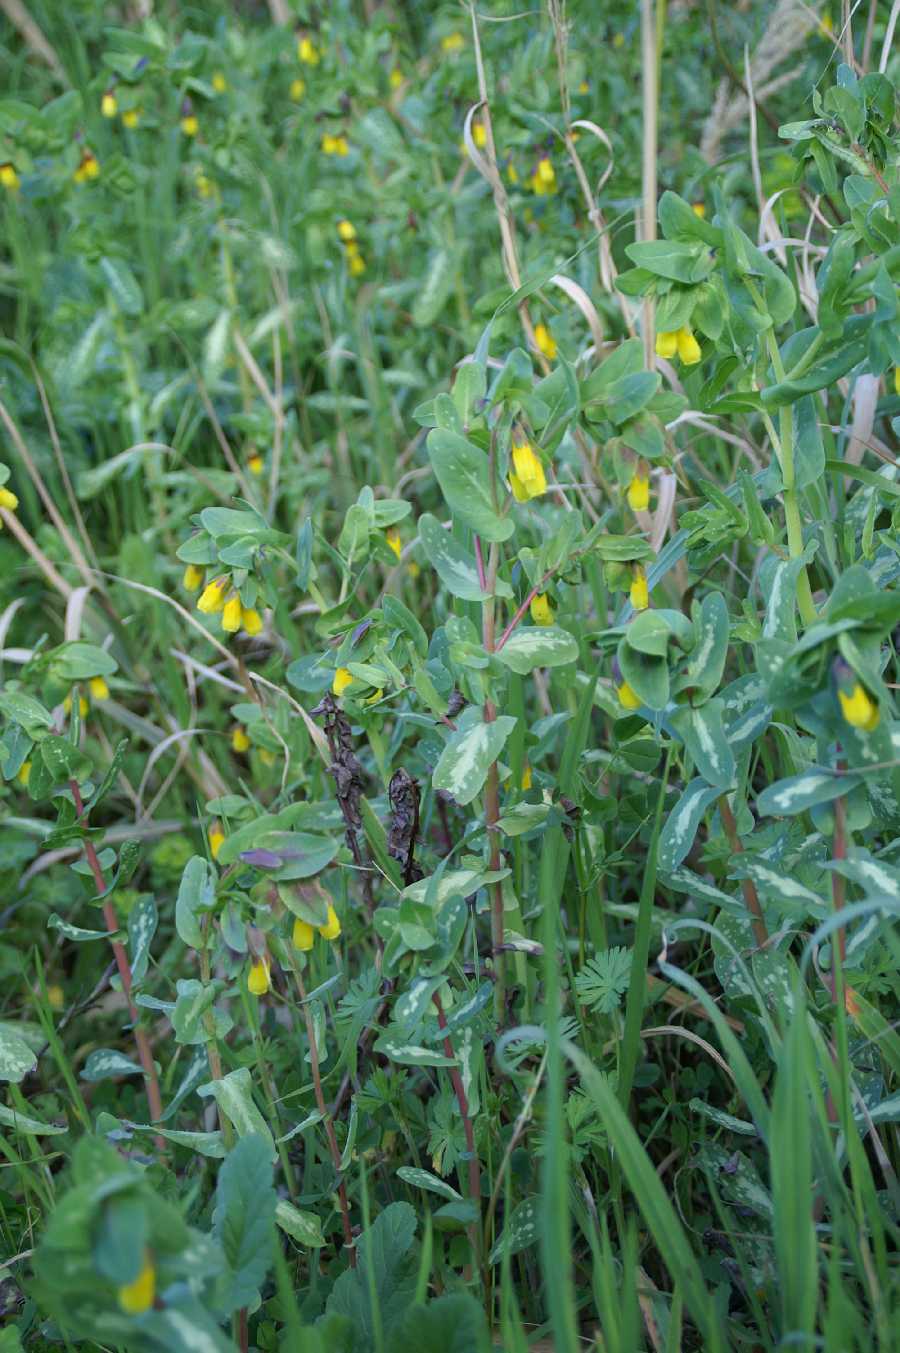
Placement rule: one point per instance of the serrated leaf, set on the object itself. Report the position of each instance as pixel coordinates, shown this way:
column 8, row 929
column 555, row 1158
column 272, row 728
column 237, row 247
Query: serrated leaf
column 604, row 979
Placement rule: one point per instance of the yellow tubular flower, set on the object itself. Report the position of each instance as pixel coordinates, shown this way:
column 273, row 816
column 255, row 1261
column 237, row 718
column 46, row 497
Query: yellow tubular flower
column 98, row 688
column 667, row 344
column 204, row 185
column 639, row 493
column 357, row 265
column 328, row 144
column 189, row 125
column 239, row 740
column 859, row 709
column 24, row 773
column 698, row 209
column 639, row 595
column 545, row 341
column 297, row 89
column 8, row 500
column 255, row 463
column 512, row 173
column 251, row 621
column 131, row 117
column 396, row 78
column 267, row 757
column 341, row 146
column 137, row 1297
column 83, row 706
column 8, row 176
column 231, row 614
column 332, row 927
column 688, row 347
column 628, row 698
column 897, row 380
column 342, row 679
column 527, row 477
column 392, row 537
column 525, row 782
column 219, row 83
column 192, row 578
column 109, row 105
column 303, row 937
column 212, row 598
column 56, row 997
column 479, row 135
column 89, row 168
column 258, row 979
column 541, row 610
column 216, row 839
column 453, row 42
column 346, row 231
column 307, row 52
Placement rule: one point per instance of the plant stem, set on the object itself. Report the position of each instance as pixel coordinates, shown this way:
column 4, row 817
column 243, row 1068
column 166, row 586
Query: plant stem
column 323, row 1108
column 212, row 1046
column 751, row 897
column 145, row 1054
column 461, row 1099
column 492, row 803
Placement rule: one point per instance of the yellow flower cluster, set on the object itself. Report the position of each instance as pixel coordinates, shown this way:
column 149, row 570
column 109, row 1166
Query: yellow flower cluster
column 308, row 52
column 543, row 180
column 526, row 478
column 859, row 709
column 347, row 234
column 638, row 493
column 239, row 740
column 303, row 934
column 335, row 145
column 109, row 104
column 639, row 596
column 9, row 179
column 259, row 979
column 545, row 341
column 216, row 598
column 88, row 169
column 9, row 501
column 681, row 341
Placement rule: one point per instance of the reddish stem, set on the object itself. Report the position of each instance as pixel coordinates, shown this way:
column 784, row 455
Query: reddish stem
column 747, row 885
column 112, row 923
column 479, row 563
column 535, row 591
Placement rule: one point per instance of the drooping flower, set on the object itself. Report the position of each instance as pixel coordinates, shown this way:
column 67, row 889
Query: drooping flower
column 88, row 168
column 335, row 145
column 543, row 180
column 259, row 977
column 667, row 343
column 297, row 89
column 639, row 492
column 688, row 347
column 303, row 937
column 699, row 209
column 204, row 185
column 212, row 598
column 83, row 706
column 479, row 135
column 512, row 173
column 255, row 463
column 392, row 538
column 216, row 838
column 189, row 123
column 109, row 104
column 251, row 621
column 396, row 78
column 859, row 709
column 308, row 52
column 267, row 757
column 131, row 117
column 897, row 380
column 541, row 610
column 346, row 230
column 342, row 679
column 525, row 782
column 9, row 179
column 8, row 500
column 639, row 595
column 332, row 927
column 453, row 43
column 628, row 698
column 526, row 478
column 357, row 265
column 239, row 740
column 192, row 578
column 138, row 1296
column 23, row 774
column 545, row 341
column 219, row 83
column 231, row 614
column 98, row 688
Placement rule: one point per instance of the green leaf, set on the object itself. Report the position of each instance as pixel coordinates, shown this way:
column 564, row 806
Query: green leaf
column 681, row 825
column 196, row 894
column 421, row 1179
column 78, row 661
column 688, row 261
column 433, row 290
column 464, row 763
column 533, row 646
column 194, row 999
column 25, row 710
column 18, row 1122
column 234, row 1096
column 454, row 1323
column 106, row 1063
column 384, row 1273
column 304, row 1227
column 244, row 1221
column 16, row 1057
column 704, row 737
column 786, row 798
column 411, row 1054
column 76, row 933
column 520, row 1231
column 123, row 285
column 707, row 658
column 463, row 474
column 142, row 922
column 455, row 567
column 603, row 980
